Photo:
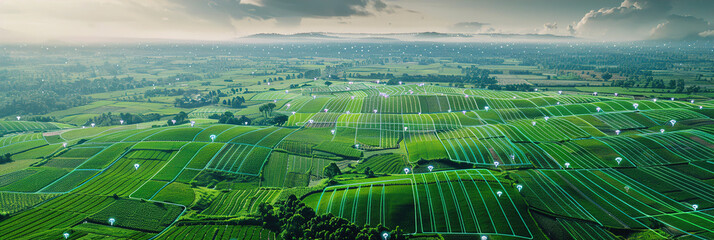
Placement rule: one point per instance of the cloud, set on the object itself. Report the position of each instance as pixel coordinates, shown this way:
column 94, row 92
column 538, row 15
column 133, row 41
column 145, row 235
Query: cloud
column 706, row 34
column 284, row 11
column 469, row 27
column 632, row 20
column 678, row 27
column 549, row 28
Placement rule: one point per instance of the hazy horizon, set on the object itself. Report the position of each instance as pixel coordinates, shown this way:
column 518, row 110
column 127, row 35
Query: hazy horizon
column 221, row 20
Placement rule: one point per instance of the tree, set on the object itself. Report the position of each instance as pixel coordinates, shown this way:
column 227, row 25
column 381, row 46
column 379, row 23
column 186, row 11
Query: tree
column 606, row 76
column 332, row 170
column 263, row 110
column 7, row 158
column 267, row 109
column 271, row 106
column 328, row 83
column 244, row 120
column 368, row 172
column 280, row 119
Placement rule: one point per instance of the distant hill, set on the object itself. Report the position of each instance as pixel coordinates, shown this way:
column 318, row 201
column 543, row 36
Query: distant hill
column 290, row 36
column 415, row 36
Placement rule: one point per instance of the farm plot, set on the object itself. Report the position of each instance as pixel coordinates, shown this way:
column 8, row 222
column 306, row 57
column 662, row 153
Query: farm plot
column 455, row 202
column 273, row 95
column 237, row 201
column 388, row 163
column 285, row 170
column 24, row 126
column 73, row 157
column 69, row 181
column 424, row 146
column 132, row 214
column 663, row 116
column 205, row 112
column 15, row 202
column 585, row 231
column 10, row 140
column 684, row 144
column 35, row 182
column 619, row 121
column 61, row 212
column 614, row 199
column 225, row 232
column 481, row 146
column 123, row 177
column 233, row 158
column 681, row 187
column 17, row 147
column 175, row 134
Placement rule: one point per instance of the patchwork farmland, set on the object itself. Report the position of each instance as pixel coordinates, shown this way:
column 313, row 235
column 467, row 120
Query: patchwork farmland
column 256, row 147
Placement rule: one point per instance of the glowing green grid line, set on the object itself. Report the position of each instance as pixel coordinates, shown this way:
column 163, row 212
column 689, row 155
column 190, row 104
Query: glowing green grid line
column 456, row 203
column 468, row 200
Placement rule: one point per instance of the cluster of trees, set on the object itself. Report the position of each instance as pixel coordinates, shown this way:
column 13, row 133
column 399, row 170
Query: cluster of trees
column 331, row 170
column 36, row 102
column 181, row 118
column 294, row 220
column 230, row 118
column 472, row 75
column 188, row 102
column 108, row 119
column 479, row 60
column 678, row 85
column 512, row 87
column 212, row 97
column 236, row 102
column 269, row 119
column 368, row 172
column 7, row 158
column 314, row 73
column 335, row 70
column 168, row 92
column 41, row 119
column 267, row 109
column 41, row 96
column 278, row 119
column 372, row 76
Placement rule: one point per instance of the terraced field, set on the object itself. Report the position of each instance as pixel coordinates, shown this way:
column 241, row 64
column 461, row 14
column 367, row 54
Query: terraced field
column 430, row 160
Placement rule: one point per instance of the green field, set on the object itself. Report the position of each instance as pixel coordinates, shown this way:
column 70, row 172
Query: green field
column 487, row 144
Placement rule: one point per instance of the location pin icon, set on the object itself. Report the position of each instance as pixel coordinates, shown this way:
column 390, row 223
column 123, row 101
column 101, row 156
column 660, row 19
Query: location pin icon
column 430, row 167
column 519, row 187
column 406, row 170
column 618, row 160
column 499, row 193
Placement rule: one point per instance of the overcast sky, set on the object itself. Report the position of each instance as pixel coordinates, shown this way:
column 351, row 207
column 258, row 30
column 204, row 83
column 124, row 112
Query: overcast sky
column 225, row 19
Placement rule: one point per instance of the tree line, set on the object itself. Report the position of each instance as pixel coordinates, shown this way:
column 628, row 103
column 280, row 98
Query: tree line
column 295, row 220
